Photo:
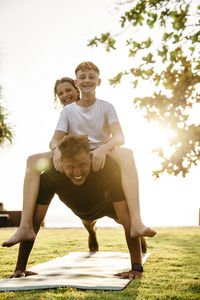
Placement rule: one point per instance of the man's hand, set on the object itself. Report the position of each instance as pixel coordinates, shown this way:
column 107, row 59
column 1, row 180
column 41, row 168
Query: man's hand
column 130, row 275
column 98, row 158
column 57, row 161
column 22, row 273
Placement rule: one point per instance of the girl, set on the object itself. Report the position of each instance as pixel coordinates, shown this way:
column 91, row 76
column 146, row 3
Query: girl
column 66, row 91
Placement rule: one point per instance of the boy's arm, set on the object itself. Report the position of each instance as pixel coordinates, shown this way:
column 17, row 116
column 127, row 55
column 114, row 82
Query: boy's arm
column 53, row 145
column 99, row 154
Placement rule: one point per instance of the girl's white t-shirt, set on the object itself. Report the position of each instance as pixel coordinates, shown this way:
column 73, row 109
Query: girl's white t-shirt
column 93, row 120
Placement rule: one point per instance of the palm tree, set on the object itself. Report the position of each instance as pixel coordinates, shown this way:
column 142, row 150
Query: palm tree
column 5, row 127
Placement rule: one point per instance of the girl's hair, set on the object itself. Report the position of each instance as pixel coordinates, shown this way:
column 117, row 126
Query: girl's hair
column 64, row 79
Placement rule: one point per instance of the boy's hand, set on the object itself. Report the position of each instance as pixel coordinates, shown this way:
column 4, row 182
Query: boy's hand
column 57, row 161
column 98, row 158
column 129, row 274
column 22, row 273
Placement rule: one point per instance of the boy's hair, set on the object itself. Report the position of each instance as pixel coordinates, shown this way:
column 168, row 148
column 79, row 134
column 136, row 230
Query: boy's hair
column 72, row 145
column 64, row 79
column 87, row 65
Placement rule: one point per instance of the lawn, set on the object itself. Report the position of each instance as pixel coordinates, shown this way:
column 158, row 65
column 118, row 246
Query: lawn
column 171, row 272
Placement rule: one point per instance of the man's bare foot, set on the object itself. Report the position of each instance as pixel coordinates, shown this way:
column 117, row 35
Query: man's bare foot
column 141, row 230
column 19, row 236
column 92, row 242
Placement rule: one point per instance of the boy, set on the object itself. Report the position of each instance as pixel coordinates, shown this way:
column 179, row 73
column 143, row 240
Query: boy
column 98, row 119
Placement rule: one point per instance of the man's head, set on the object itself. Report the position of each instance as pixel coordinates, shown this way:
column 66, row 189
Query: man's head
column 87, row 77
column 76, row 158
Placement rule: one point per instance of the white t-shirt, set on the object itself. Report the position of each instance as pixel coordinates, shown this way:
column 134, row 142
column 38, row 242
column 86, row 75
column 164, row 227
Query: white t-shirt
column 93, row 120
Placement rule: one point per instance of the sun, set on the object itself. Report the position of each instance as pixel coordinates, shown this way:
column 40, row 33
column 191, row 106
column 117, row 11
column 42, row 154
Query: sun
column 145, row 137
column 159, row 138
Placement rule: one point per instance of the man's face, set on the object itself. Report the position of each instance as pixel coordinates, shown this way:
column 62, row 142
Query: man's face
column 87, row 81
column 77, row 168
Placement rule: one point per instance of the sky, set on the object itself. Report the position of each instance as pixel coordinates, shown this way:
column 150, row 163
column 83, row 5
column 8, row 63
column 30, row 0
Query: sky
column 44, row 40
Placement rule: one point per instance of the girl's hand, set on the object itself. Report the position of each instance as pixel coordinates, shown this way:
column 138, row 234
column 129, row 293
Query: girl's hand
column 98, row 158
column 57, row 161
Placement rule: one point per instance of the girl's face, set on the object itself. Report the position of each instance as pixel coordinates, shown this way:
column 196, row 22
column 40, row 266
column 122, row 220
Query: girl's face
column 66, row 93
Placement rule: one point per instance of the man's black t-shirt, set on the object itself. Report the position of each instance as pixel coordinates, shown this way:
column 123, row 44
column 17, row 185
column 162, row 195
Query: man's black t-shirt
column 93, row 199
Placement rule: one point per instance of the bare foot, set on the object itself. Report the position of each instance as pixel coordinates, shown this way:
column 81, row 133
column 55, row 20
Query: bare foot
column 19, row 236
column 141, row 230
column 92, row 242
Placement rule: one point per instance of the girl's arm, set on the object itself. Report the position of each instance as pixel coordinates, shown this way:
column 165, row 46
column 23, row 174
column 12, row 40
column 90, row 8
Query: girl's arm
column 99, row 154
column 53, row 145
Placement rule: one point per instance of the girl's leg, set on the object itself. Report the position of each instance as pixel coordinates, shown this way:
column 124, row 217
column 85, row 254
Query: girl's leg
column 35, row 165
column 92, row 239
column 129, row 177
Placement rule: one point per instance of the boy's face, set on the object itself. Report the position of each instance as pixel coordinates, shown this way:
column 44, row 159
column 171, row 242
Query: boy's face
column 77, row 168
column 87, row 81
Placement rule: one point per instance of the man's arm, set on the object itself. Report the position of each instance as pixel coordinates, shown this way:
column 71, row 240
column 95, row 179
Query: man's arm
column 45, row 194
column 99, row 154
column 133, row 244
column 23, row 255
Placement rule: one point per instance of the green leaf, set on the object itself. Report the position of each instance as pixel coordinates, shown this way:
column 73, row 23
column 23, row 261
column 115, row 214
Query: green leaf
column 135, row 83
column 150, row 23
column 173, row 14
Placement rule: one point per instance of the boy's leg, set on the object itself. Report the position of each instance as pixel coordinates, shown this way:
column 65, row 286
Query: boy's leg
column 92, row 239
column 130, row 183
column 134, row 244
column 26, row 246
column 35, row 164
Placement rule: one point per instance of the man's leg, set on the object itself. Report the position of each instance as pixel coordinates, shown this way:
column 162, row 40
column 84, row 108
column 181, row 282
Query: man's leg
column 92, row 239
column 130, row 183
column 35, row 164
column 26, row 246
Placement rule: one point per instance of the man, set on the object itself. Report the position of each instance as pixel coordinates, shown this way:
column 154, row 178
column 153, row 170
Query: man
column 90, row 195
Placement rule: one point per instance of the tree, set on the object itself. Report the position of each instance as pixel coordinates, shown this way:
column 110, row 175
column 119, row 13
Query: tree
column 171, row 62
column 5, row 128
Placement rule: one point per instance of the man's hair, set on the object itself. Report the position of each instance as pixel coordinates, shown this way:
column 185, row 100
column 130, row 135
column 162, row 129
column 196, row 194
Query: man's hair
column 87, row 65
column 72, row 145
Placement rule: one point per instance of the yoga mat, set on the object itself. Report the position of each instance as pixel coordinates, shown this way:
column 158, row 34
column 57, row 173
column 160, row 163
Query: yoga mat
column 83, row 270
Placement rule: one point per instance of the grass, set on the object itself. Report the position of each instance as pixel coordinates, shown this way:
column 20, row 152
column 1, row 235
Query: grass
column 171, row 272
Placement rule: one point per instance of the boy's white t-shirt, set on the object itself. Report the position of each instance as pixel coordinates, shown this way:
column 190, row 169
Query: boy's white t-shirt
column 93, row 120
